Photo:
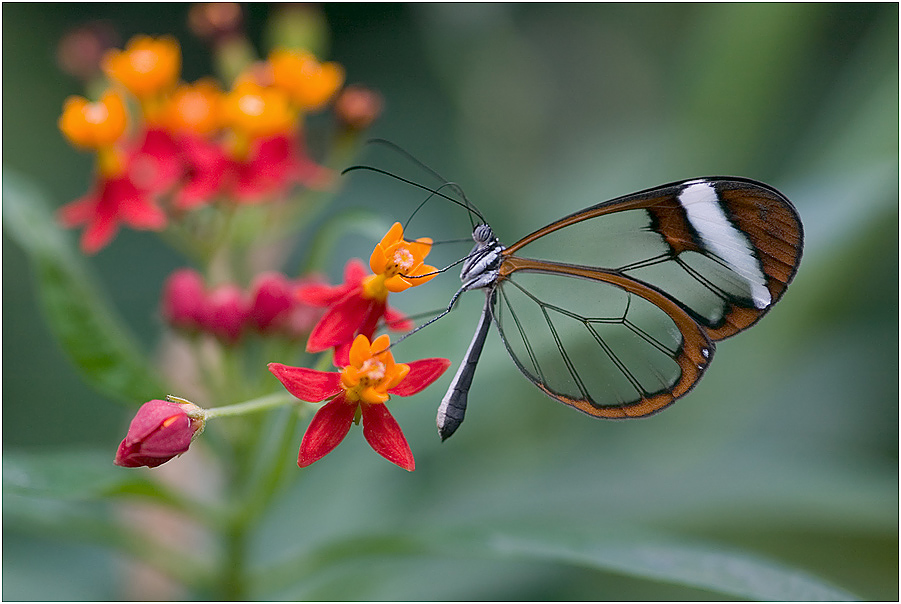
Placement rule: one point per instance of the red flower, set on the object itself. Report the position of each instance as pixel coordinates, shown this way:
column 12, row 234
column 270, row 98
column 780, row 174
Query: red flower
column 206, row 167
column 159, row 431
column 273, row 165
column 114, row 200
column 157, row 164
column 356, row 307
column 359, row 392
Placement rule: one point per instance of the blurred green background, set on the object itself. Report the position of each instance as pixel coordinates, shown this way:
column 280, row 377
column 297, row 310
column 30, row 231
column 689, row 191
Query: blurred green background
column 786, row 452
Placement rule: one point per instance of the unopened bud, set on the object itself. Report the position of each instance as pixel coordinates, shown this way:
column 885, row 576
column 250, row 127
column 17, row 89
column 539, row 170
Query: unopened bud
column 226, row 313
column 159, row 431
column 184, row 299
column 357, row 107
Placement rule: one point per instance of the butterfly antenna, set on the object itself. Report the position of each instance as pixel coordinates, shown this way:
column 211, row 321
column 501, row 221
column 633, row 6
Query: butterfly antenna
column 456, row 188
column 467, row 206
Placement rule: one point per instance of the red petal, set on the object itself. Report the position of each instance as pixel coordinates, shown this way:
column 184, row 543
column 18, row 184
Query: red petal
column 320, row 294
column 99, row 233
column 141, row 213
column 328, row 428
column 307, row 384
column 340, row 322
column 354, row 271
column 78, row 212
column 422, row 374
column 341, row 357
column 385, row 436
column 396, row 320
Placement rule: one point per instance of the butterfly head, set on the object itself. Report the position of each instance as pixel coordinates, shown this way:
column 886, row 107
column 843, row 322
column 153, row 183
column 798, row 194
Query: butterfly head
column 483, row 235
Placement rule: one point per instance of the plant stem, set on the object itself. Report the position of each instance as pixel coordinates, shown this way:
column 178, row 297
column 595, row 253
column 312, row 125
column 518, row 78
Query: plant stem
column 258, row 404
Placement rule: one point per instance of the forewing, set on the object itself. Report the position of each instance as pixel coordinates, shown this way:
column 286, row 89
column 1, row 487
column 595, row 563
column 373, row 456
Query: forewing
column 606, row 345
column 724, row 249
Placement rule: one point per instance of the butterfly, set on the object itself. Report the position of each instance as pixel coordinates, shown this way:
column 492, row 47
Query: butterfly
column 615, row 310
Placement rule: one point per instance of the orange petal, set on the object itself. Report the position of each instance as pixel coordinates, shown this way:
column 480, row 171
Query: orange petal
column 360, row 351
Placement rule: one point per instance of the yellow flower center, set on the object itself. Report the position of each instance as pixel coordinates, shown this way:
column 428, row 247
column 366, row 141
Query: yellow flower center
column 144, row 60
column 95, row 113
column 251, row 104
column 371, row 372
column 402, row 261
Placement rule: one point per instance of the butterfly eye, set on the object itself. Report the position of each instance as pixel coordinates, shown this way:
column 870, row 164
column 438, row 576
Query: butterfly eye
column 482, row 233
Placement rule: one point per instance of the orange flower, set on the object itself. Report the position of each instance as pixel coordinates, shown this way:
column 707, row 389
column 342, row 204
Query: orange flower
column 195, row 108
column 147, row 66
column 397, row 264
column 254, row 112
column 94, row 125
column 309, row 83
column 372, row 371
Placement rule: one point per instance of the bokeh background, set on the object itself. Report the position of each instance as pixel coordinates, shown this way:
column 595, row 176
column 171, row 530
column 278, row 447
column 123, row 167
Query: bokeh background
column 787, row 452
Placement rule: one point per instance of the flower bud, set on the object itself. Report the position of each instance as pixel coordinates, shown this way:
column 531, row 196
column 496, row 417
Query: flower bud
column 184, row 299
column 271, row 296
column 81, row 49
column 215, row 21
column 357, row 107
column 226, row 313
column 159, row 431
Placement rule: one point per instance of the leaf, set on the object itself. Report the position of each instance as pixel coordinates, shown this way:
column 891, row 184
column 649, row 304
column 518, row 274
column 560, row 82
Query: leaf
column 63, row 477
column 85, row 325
column 69, row 475
column 731, row 573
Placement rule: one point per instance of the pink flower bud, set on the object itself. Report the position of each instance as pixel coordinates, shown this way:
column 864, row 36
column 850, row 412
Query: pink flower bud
column 227, row 312
column 183, row 299
column 272, row 299
column 159, row 431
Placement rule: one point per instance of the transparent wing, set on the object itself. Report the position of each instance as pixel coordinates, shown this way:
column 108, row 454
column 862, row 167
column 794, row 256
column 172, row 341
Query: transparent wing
column 724, row 249
column 596, row 341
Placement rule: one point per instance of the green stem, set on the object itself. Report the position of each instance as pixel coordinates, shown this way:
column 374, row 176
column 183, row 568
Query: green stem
column 258, row 404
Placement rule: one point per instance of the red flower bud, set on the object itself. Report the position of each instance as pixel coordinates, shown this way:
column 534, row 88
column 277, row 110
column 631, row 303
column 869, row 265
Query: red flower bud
column 160, row 431
column 183, row 299
column 227, row 312
column 272, row 298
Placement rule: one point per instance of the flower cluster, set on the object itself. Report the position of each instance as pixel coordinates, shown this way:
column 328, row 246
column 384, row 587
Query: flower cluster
column 369, row 374
column 270, row 306
column 358, row 305
column 221, row 167
column 191, row 144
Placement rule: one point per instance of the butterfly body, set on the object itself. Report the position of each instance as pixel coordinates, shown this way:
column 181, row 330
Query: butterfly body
column 620, row 325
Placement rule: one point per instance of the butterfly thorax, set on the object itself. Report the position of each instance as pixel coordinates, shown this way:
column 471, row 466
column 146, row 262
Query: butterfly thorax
column 481, row 266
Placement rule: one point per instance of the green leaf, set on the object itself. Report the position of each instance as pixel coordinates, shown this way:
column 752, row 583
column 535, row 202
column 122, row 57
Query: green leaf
column 85, row 325
column 702, row 566
column 75, row 475
column 83, row 476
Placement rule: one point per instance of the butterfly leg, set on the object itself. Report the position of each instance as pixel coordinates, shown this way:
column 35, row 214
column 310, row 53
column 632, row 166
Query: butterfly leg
column 453, row 405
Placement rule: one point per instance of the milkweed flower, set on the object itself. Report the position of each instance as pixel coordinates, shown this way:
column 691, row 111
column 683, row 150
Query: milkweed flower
column 159, row 431
column 357, row 306
column 308, row 83
column 148, row 68
column 115, row 198
column 359, row 392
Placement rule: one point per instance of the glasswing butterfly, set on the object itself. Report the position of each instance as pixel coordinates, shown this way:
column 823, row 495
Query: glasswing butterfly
column 615, row 310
